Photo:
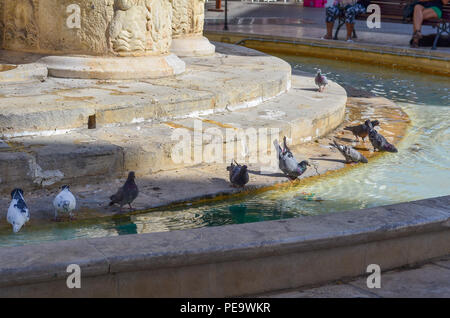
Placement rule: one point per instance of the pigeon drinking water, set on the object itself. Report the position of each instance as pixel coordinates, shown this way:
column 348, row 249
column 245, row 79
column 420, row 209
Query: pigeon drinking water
column 350, row 154
column 320, row 80
column 64, row 202
column 287, row 163
column 18, row 213
column 361, row 130
column 378, row 141
column 238, row 174
column 127, row 193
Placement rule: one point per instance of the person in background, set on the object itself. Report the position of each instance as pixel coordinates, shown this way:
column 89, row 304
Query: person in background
column 351, row 9
column 425, row 10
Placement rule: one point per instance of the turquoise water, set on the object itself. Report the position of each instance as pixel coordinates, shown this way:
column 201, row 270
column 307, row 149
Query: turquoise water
column 421, row 168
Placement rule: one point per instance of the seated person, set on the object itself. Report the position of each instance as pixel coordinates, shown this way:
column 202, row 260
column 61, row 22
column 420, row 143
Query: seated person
column 351, row 9
column 425, row 10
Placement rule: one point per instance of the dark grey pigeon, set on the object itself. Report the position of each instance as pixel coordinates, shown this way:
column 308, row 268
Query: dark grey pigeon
column 321, row 80
column 361, row 130
column 238, row 174
column 126, row 194
column 350, row 154
column 378, row 141
column 287, row 163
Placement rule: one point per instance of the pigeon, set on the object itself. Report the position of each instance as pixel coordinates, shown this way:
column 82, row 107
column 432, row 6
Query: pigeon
column 287, row 163
column 127, row 193
column 378, row 141
column 64, row 202
column 361, row 130
column 18, row 213
column 350, row 154
column 321, row 80
column 238, row 174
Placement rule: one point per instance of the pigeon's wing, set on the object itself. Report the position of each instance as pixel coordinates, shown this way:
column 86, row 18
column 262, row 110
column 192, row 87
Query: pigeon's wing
column 12, row 210
column 357, row 156
column 117, row 197
column 234, row 175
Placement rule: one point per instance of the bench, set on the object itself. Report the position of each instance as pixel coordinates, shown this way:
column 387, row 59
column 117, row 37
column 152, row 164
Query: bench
column 392, row 11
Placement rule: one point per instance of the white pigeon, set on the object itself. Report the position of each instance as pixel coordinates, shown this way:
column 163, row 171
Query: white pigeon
column 18, row 213
column 65, row 202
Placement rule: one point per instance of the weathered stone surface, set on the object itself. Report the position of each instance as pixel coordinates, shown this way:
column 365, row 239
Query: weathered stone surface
column 231, row 260
column 112, row 27
column 65, row 104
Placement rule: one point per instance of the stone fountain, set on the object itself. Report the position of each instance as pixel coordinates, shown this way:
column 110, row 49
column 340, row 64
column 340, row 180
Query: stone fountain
column 105, row 39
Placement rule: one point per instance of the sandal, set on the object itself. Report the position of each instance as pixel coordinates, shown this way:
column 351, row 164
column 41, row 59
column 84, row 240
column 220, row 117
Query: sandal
column 415, row 40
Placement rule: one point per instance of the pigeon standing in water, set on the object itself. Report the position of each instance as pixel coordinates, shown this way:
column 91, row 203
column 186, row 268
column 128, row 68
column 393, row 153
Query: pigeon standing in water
column 18, row 213
column 127, row 193
column 350, row 154
column 378, row 141
column 287, row 163
column 64, row 202
column 321, row 80
column 361, row 130
column 238, row 174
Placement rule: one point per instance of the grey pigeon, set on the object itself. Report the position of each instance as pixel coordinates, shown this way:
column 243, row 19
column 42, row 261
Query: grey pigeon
column 287, row 163
column 126, row 194
column 238, row 174
column 321, row 80
column 378, row 141
column 361, row 130
column 350, row 154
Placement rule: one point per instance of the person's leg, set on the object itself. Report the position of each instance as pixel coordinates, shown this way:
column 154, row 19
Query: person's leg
column 418, row 17
column 421, row 14
column 331, row 13
column 350, row 15
column 350, row 27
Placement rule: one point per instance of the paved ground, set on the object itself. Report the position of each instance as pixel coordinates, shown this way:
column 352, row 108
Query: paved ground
column 294, row 20
column 431, row 280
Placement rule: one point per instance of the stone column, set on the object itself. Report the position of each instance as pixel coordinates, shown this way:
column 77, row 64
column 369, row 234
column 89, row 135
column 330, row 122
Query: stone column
column 187, row 29
column 103, row 39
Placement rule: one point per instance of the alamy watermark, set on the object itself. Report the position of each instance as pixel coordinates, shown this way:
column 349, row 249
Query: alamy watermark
column 74, row 19
column 374, row 19
column 214, row 145
column 374, row 279
column 74, row 279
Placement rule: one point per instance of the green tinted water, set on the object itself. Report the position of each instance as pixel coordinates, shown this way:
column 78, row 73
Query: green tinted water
column 420, row 169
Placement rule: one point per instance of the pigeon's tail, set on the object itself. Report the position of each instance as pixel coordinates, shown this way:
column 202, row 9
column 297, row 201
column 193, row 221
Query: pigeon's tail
column 113, row 200
column 277, row 147
column 350, row 128
column 231, row 166
column 335, row 145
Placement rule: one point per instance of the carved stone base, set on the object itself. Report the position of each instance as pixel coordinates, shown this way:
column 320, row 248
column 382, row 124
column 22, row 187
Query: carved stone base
column 192, row 46
column 115, row 68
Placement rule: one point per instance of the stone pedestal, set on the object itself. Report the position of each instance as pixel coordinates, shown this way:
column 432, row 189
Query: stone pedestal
column 117, row 39
column 187, row 29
